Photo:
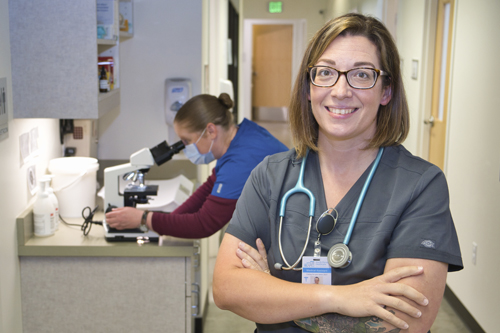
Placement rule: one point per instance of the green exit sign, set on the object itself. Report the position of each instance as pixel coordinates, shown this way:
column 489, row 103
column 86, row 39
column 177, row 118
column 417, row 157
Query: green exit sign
column 275, row 7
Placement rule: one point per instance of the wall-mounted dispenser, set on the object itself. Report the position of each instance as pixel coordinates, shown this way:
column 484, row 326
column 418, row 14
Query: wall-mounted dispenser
column 177, row 92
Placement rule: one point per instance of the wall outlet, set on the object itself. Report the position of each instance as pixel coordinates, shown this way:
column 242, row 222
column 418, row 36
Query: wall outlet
column 474, row 253
column 84, row 138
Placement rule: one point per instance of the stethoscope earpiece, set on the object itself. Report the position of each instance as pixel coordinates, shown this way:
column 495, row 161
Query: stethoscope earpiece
column 339, row 256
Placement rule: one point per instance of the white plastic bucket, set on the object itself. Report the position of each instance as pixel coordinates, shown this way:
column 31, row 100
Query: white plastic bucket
column 74, row 183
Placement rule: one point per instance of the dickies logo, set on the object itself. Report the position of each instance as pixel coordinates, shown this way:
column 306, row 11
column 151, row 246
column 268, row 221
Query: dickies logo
column 427, row 243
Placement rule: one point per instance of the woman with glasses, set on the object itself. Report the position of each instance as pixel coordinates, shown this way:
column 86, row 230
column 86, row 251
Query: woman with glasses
column 364, row 212
column 206, row 126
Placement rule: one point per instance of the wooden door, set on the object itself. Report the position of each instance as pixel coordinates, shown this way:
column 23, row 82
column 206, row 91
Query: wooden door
column 440, row 90
column 272, row 65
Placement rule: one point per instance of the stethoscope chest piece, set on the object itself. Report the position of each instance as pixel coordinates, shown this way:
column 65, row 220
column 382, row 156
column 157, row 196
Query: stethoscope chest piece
column 339, row 256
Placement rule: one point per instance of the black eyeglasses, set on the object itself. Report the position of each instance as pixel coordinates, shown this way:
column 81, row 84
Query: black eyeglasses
column 358, row 78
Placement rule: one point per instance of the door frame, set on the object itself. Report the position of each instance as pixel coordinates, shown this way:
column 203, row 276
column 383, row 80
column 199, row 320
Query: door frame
column 298, row 48
column 429, row 51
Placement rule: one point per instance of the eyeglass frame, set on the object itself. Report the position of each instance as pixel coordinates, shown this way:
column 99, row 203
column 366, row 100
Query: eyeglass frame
column 378, row 71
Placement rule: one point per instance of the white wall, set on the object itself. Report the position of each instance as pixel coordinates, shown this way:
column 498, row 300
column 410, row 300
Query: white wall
column 15, row 196
column 410, row 42
column 473, row 161
column 314, row 11
column 166, row 44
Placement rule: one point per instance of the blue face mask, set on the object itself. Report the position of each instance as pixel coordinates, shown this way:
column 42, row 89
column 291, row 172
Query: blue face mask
column 193, row 154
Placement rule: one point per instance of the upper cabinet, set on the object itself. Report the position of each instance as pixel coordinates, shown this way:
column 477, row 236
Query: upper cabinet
column 54, row 55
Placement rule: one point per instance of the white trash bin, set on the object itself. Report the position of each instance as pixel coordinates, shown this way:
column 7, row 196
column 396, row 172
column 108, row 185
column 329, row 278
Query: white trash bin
column 74, row 183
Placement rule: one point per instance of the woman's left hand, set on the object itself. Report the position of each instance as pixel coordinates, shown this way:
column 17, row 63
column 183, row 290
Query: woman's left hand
column 252, row 258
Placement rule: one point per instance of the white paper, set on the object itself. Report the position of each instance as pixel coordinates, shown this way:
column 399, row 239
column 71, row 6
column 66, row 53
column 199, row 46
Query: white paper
column 24, row 146
column 171, row 193
column 34, row 151
column 31, row 179
column 4, row 117
column 105, row 19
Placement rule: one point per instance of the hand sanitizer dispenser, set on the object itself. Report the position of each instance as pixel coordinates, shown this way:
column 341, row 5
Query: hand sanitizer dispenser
column 177, row 92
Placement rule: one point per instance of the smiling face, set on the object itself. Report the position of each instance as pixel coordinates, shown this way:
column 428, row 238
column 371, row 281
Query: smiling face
column 346, row 114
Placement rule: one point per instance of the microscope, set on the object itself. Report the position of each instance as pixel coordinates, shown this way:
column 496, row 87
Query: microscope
column 136, row 192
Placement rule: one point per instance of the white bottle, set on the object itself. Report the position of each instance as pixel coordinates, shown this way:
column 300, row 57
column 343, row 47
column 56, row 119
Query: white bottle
column 43, row 212
column 54, row 200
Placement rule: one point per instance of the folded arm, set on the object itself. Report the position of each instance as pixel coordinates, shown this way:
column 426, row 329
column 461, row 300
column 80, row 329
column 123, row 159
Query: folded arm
column 258, row 296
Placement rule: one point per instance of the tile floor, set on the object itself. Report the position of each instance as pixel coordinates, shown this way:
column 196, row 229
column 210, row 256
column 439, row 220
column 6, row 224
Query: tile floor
column 280, row 130
column 218, row 320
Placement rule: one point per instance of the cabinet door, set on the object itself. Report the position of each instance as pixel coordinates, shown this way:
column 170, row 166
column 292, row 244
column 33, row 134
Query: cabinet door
column 54, row 58
column 104, row 294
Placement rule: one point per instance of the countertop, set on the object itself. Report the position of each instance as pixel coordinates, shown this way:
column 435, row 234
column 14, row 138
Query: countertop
column 69, row 241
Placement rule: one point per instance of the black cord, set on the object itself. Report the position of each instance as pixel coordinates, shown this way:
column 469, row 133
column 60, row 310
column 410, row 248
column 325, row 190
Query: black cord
column 87, row 224
column 88, row 215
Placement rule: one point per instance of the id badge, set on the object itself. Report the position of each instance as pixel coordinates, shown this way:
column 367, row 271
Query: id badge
column 316, row 270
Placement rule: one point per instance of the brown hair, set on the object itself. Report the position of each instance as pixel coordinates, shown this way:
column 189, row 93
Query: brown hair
column 203, row 109
column 392, row 119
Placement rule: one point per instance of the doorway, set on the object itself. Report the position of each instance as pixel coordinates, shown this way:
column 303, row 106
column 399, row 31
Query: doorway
column 279, row 128
column 271, row 71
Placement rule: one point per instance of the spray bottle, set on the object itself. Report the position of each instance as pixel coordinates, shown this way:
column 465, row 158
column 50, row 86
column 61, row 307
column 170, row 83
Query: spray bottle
column 44, row 211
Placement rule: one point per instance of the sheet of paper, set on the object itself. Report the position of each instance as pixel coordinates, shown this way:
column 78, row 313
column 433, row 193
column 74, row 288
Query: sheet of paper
column 4, row 116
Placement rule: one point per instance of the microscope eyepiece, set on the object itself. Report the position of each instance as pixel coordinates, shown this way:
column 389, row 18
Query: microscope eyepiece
column 163, row 152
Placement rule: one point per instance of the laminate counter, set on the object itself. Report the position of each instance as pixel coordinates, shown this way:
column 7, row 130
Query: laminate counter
column 69, row 241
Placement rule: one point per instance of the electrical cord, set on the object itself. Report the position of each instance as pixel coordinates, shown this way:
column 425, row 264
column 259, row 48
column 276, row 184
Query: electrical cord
column 88, row 215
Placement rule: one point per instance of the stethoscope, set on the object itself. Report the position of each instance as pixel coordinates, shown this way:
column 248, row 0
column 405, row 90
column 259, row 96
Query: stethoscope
column 339, row 255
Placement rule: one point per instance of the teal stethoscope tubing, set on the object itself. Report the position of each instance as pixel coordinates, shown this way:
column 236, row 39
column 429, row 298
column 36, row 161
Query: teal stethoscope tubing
column 300, row 188
column 362, row 196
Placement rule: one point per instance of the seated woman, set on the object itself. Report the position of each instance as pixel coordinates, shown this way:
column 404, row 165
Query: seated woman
column 364, row 212
column 205, row 125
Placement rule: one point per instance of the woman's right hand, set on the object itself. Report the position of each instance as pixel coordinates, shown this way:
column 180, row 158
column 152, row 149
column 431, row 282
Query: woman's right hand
column 253, row 259
column 373, row 296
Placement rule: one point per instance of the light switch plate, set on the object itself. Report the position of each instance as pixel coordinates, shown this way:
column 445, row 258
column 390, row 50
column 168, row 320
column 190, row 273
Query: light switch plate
column 414, row 69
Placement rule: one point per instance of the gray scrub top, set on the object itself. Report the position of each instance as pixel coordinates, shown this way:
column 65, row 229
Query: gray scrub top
column 405, row 214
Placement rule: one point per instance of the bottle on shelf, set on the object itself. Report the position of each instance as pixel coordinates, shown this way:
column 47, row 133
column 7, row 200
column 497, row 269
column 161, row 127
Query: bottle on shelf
column 54, row 200
column 44, row 211
column 103, row 81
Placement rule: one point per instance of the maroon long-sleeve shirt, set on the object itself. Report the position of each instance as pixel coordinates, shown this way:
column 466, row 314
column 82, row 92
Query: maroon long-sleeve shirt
column 201, row 215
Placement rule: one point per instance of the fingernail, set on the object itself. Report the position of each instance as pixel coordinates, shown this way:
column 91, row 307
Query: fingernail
column 419, row 314
column 238, row 251
column 420, row 268
column 426, row 301
column 405, row 326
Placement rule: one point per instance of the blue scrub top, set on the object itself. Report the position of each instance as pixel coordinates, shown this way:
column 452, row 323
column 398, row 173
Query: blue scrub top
column 248, row 148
